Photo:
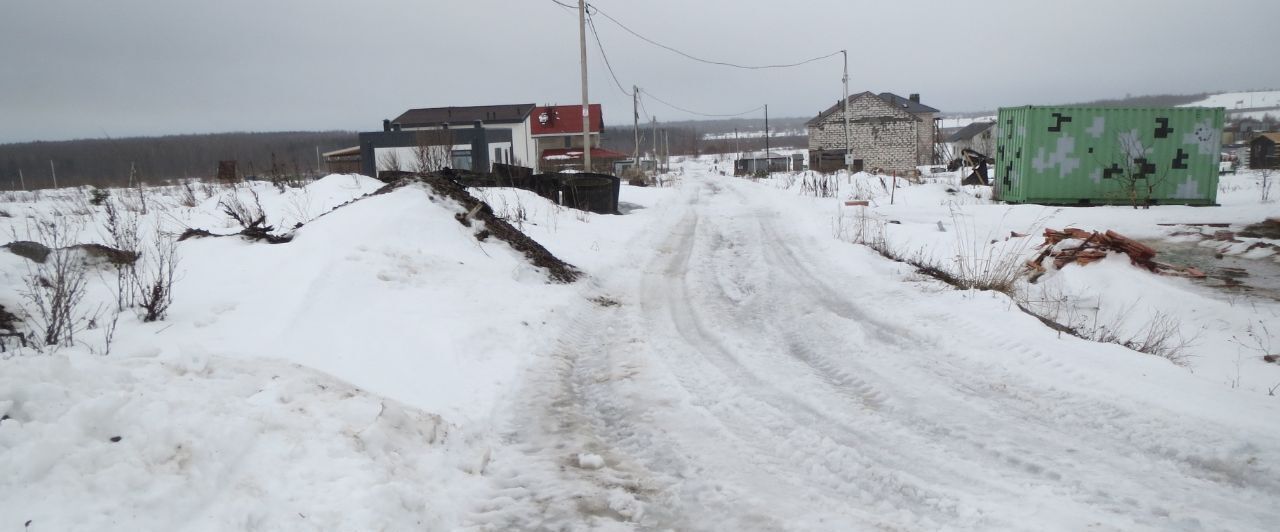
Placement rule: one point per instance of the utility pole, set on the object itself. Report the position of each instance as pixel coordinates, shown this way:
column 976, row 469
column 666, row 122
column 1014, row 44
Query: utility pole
column 766, row 135
column 22, row 180
column 586, row 106
column 635, row 123
column 655, row 143
column 54, row 173
column 737, row 145
column 848, row 147
column 666, row 150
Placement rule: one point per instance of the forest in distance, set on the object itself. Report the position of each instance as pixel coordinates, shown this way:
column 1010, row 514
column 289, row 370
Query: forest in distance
column 108, row 162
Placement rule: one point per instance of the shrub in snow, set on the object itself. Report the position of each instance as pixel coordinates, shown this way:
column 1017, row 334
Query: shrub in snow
column 54, row 288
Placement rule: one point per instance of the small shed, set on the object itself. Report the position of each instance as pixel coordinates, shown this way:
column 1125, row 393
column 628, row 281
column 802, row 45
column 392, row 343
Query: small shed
column 344, row 161
column 1264, row 151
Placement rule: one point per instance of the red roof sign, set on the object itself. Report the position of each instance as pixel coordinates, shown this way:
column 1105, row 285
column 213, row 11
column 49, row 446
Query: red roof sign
column 564, row 119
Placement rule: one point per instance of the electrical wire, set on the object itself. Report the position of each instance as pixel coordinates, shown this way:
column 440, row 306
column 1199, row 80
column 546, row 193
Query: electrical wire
column 711, row 115
column 699, row 59
column 592, row 24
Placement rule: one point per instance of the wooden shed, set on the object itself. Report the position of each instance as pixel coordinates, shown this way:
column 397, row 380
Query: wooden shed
column 344, row 161
column 1264, row 151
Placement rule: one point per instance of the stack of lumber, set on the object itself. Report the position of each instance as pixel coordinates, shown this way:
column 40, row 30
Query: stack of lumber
column 1095, row 246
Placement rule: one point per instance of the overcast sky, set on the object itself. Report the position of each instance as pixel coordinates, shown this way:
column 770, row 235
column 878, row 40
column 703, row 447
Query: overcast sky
column 93, row 68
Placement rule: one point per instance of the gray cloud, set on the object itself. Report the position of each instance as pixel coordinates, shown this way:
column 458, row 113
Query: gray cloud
column 142, row 67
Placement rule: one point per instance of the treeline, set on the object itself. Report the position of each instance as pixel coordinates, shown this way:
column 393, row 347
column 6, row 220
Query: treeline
column 107, row 162
column 687, row 137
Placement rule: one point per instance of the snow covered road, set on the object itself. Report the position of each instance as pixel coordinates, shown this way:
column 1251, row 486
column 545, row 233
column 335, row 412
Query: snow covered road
column 743, row 370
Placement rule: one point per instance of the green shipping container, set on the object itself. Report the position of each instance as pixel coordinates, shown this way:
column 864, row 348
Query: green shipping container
column 1091, row 155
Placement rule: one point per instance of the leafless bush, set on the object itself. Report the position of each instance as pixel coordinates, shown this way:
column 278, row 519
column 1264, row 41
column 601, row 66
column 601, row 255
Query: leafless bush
column 154, row 277
column 861, row 228
column 122, row 234
column 53, row 289
column 247, row 215
column 983, row 261
column 819, row 185
column 187, row 195
column 1264, row 184
column 390, row 160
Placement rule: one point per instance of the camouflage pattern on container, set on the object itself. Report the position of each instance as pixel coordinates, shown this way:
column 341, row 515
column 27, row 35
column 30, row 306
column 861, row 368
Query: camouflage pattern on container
column 1088, row 155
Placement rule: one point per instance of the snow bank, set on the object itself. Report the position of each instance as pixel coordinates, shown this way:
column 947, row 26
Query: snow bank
column 109, row 443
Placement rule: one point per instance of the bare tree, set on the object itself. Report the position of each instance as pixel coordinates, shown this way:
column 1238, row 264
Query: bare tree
column 432, row 150
column 54, row 288
column 1135, row 174
column 390, row 160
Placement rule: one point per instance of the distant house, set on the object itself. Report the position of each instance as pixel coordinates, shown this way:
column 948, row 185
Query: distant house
column 512, row 144
column 557, row 136
column 978, row 136
column 1264, row 151
column 886, row 132
column 483, row 138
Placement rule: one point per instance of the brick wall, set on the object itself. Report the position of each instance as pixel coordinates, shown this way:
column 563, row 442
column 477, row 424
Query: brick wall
column 883, row 136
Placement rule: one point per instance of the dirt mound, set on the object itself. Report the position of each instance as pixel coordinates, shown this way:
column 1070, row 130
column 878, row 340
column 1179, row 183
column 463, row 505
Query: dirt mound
column 1269, row 228
column 443, row 184
column 37, row 252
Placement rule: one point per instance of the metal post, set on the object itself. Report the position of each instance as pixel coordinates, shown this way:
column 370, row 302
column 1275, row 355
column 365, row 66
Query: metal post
column 54, row 173
column 848, row 147
column 894, row 190
column 22, row 180
column 586, row 106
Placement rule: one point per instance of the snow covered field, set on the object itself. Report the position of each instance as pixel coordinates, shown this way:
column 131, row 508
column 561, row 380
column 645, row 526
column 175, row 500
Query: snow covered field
column 1252, row 104
column 733, row 360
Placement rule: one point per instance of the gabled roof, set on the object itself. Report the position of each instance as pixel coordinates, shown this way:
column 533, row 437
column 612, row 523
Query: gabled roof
column 565, row 119
column 465, row 116
column 1273, row 137
column 887, row 97
column 906, row 104
column 970, row 131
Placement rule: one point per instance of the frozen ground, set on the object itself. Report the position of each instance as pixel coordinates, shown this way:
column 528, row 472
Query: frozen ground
column 731, row 362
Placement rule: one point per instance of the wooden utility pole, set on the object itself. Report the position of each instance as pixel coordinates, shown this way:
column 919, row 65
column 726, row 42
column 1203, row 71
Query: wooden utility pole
column 586, row 106
column 635, row 122
column 666, row 150
column 22, row 180
column 655, row 143
column 766, row 135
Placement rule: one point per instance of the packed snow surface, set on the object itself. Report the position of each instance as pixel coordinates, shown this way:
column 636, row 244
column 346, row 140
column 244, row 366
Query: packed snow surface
column 734, row 360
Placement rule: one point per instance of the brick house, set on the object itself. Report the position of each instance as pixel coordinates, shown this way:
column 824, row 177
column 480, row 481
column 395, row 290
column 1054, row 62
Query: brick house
column 886, row 132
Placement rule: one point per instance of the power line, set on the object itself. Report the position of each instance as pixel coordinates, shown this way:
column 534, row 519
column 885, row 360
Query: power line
column 562, row 4
column 699, row 59
column 591, row 23
column 678, row 108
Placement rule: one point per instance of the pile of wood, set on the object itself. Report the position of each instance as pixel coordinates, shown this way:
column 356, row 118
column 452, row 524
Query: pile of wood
column 1095, row 246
